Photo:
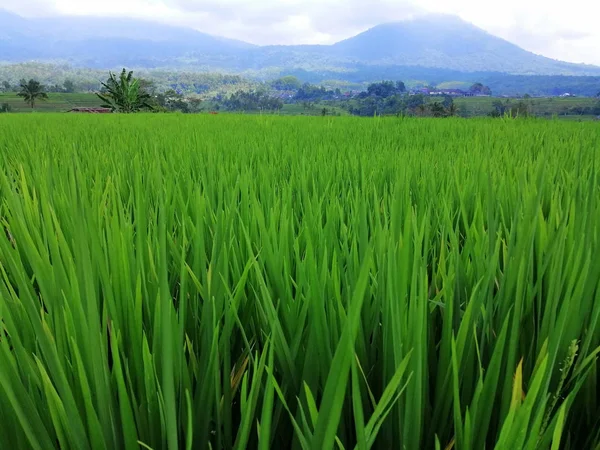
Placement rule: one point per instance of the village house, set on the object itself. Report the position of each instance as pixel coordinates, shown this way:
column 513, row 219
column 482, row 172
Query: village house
column 451, row 93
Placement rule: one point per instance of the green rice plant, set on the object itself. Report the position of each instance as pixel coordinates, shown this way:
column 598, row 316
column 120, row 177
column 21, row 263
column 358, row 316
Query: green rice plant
column 266, row 282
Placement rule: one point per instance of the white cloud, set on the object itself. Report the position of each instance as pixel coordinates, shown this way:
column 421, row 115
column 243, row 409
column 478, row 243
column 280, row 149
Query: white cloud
column 560, row 30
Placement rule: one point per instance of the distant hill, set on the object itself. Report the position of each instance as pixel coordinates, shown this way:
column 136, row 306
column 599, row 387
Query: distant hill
column 451, row 43
column 106, row 43
column 440, row 42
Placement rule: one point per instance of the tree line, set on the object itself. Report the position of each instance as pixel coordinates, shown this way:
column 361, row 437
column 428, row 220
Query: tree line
column 125, row 93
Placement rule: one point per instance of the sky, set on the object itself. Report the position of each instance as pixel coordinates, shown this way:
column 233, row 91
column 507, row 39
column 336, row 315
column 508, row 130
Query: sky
column 562, row 30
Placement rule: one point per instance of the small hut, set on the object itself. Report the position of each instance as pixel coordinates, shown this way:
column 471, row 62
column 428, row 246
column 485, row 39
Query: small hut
column 91, row 110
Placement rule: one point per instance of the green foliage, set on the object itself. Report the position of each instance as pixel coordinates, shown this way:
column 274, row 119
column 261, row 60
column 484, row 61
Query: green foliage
column 396, row 104
column 32, row 91
column 195, row 80
column 437, row 109
column 480, row 89
column 542, row 107
column 414, row 101
column 313, row 93
column 452, row 110
column 263, row 282
column 69, row 86
column 369, row 105
column 520, row 109
column 173, row 101
column 90, row 80
column 448, row 101
column 288, row 83
column 148, row 86
column 124, row 94
column 252, row 101
column 508, row 108
column 500, row 108
column 385, row 89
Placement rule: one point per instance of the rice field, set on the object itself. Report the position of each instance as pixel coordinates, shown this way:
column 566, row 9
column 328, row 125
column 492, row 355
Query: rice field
column 231, row 282
column 57, row 102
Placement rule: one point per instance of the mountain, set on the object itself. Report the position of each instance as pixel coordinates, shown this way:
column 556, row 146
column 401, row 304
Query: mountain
column 450, row 43
column 105, row 42
column 441, row 42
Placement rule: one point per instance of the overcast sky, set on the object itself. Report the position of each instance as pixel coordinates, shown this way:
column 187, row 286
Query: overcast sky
column 563, row 30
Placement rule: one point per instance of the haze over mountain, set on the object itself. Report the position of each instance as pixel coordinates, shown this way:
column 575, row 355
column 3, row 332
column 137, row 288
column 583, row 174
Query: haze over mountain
column 451, row 43
column 433, row 41
column 105, row 42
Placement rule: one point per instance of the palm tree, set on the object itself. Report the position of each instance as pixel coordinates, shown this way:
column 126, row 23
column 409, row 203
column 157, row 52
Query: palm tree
column 437, row 109
column 124, row 94
column 31, row 91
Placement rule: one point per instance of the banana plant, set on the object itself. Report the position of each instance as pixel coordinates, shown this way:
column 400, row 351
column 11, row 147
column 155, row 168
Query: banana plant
column 124, row 94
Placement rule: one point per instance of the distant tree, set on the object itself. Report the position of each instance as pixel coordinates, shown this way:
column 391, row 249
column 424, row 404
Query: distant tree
column 415, row 101
column 257, row 100
column 124, row 94
column 172, row 100
column 69, row 86
column 310, row 92
column 6, row 86
column 527, row 96
column 476, row 88
column 480, row 89
column 521, row 109
column 288, row 83
column 437, row 109
column 500, row 108
column 452, row 110
column 394, row 104
column 55, row 88
column 32, row 91
column 448, row 101
column 400, row 87
column 5, row 108
column 88, row 86
column 421, row 109
column 324, row 111
column 195, row 104
column 148, row 86
column 384, row 89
